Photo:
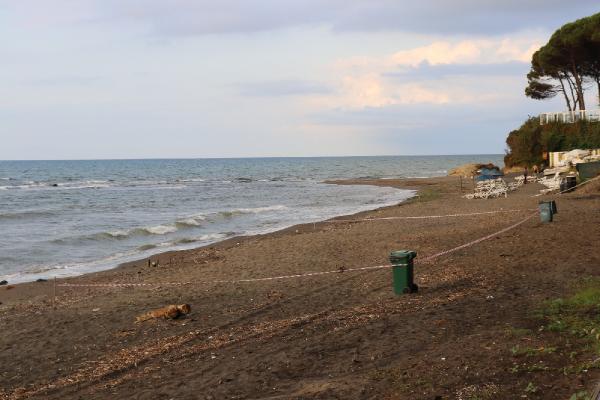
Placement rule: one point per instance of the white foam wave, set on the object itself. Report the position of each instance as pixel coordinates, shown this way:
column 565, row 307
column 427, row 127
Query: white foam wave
column 118, row 234
column 201, row 238
column 160, row 229
column 90, row 186
column 33, row 185
column 257, row 210
column 188, row 222
column 210, row 236
column 191, row 180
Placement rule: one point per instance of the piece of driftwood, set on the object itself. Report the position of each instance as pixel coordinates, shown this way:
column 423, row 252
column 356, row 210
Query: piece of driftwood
column 168, row 312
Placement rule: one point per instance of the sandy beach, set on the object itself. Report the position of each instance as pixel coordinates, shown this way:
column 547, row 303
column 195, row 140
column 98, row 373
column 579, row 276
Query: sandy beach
column 342, row 335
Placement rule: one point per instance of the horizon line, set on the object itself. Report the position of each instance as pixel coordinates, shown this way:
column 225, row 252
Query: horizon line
column 249, row 157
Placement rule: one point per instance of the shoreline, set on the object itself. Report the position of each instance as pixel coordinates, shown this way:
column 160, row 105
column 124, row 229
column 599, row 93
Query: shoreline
column 340, row 335
column 161, row 255
column 417, row 185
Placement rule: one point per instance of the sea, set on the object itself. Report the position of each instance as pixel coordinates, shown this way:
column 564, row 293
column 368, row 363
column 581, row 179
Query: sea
column 67, row 218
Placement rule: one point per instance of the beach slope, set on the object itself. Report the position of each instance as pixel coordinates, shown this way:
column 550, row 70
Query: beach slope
column 343, row 334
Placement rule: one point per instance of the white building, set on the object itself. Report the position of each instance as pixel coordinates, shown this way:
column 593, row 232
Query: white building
column 570, row 116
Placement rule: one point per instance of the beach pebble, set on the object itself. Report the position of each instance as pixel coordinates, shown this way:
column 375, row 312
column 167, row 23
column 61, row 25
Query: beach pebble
column 3, row 282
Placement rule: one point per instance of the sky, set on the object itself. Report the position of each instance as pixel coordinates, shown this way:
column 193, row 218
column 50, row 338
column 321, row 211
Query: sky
column 90, row 79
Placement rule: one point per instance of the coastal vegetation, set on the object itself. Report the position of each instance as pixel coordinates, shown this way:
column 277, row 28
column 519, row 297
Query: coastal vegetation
column 568, row 65
column 527, row 143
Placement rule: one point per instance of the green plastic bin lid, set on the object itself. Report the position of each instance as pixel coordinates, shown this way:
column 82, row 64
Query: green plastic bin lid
column 403, row 254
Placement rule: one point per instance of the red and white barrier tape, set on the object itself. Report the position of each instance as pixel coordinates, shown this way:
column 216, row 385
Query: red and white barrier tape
column 430, row 258
column 309, row 274
column 425, row 216
column 271, row 278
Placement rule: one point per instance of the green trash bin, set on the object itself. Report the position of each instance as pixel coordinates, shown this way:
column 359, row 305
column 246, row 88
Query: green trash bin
column 402, row 270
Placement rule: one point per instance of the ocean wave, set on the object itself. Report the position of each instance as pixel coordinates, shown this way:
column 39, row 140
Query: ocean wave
column 255, row 210
column 190, row 222
column 120, row 234
column 244, row 180
column 158, row 229
column 59, row 269
column 190, row 180
column 144, row 231
column 163, row 187
column 186, row 240
column 34, row 185
column 25, row 214
column 96, row 186
column 112, row 234
column 99, row 184
column 202, row 238
column 69, row 269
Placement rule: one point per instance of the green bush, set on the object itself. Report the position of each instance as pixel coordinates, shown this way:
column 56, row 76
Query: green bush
column 526, row 144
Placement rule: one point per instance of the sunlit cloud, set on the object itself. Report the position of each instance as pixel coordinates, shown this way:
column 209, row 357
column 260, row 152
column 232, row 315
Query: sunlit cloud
column 391, row 79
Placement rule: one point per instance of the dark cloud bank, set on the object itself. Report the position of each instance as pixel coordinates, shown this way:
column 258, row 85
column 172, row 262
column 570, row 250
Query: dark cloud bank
column 188, row 17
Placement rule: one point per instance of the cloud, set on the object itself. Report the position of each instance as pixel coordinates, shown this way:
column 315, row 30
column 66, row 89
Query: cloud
column 425, row 70
column 372, row 91
column 449, row 128
column 470, row 51
column 283, row 88
column 460, row 16
column 441, row 72
column 201, row 17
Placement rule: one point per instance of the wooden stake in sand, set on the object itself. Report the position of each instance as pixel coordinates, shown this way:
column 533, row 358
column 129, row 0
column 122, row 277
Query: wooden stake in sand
column 54, row 295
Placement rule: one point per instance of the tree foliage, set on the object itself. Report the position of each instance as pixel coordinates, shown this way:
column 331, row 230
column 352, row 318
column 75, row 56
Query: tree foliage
column 567, row 64
column 526, row 144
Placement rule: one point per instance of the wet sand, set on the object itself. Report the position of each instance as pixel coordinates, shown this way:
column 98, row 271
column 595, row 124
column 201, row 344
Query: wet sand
column 342, row 335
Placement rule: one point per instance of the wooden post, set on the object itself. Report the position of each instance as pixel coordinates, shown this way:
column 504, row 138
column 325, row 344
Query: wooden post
column 54, row 295
column 461, row 186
